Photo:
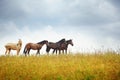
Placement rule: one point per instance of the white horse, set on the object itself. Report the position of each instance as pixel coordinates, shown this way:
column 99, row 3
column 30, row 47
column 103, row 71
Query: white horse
column 13, row 46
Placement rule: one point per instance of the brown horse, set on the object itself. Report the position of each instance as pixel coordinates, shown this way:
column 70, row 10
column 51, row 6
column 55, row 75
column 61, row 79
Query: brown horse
column 34, row 46
column 64, row 46
column 13, row 46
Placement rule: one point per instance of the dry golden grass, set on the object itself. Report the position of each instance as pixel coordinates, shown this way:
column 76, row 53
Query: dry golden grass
column 61, row 67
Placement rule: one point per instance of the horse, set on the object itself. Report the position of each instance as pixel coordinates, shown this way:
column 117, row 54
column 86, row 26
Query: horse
column 34, row 46
column 53, row 45
column 64, row 46
column 13, row 46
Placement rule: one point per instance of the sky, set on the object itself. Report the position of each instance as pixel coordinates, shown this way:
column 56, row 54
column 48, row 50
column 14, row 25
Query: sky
column 91, row 24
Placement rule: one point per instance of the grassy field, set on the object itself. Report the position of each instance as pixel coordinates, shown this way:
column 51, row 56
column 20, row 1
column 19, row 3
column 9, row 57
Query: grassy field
column 61, row 67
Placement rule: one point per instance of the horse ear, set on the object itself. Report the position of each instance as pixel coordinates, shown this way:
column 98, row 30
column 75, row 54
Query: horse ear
column 19, row 39
column 63, row 38
column 46, row 40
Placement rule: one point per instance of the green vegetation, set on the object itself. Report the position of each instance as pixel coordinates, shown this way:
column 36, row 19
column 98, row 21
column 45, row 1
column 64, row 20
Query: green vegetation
column 61, row 67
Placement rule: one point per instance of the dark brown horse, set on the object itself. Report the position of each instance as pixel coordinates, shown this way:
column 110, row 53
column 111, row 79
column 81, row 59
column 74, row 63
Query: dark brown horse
column 64, row 46
column 34, row 46
column 54, row 46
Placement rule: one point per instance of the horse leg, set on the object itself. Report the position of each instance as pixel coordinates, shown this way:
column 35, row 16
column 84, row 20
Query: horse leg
column 18, row 51
column 48, row 50
column 9, row 51
column 25, row 52
column 66, row 51
column 6, row 51
column 63, row 51
column 28, row 51
column 56, row 51
column 38, row 52
column 53, row 51
column 59, row 51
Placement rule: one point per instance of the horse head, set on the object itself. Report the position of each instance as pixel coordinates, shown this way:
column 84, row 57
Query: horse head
column 70, row 42
column 19, row 43
column 46, row 42
column 43, row 42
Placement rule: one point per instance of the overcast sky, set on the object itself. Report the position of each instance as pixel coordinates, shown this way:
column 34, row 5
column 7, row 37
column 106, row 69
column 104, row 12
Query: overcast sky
column 91, row 24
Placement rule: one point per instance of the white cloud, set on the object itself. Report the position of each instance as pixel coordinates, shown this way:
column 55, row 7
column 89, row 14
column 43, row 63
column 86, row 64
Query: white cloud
column 47, row 33
column 60, row 13
column 113, row 27
column 82, row 41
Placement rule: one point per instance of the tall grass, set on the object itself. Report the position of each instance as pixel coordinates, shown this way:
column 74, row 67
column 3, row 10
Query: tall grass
column 61, row 67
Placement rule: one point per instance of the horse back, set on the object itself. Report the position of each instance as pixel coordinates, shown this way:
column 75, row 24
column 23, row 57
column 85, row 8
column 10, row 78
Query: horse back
column 11, row 46
column 52, row 45
column 33, row 46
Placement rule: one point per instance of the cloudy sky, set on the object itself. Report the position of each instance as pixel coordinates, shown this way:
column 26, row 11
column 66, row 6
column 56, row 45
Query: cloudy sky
column 92, row 24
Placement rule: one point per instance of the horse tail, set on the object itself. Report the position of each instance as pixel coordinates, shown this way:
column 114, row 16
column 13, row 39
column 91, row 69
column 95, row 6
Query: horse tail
column 47, row 49
column 25, row 50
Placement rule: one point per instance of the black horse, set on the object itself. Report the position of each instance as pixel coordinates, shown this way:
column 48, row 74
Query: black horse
column 54, row 45
column 64, row 46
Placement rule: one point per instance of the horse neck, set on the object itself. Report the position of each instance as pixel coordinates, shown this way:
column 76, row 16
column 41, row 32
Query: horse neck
column 67, row 43
column 42, row 44
column 19, row 44
column 61, row 41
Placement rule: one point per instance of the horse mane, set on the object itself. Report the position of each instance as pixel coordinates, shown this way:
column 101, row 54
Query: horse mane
column 51, row 43
column 61, row 41
column 42, row 42
column 68, row 40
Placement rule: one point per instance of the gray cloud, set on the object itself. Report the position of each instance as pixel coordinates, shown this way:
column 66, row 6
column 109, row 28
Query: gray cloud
column 11, row 10
column 77, row 12
column 60, row 12
column 116, row 3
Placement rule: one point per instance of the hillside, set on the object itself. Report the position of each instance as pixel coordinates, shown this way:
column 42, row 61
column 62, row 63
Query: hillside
column 61, row 67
